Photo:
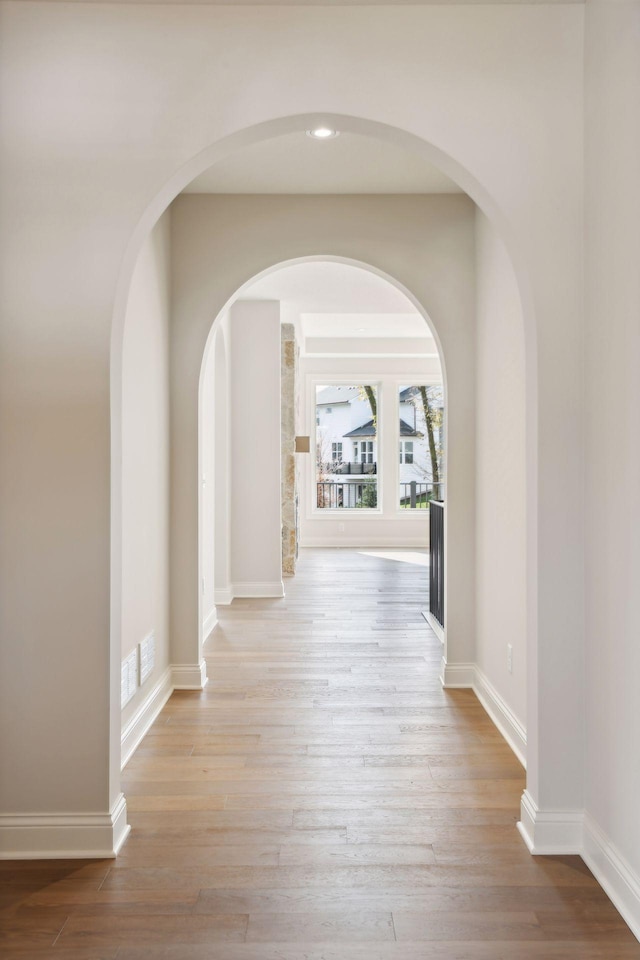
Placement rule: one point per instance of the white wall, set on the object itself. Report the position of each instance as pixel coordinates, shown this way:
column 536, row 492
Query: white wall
column 215, row 477
column 222, row 485
column 93, row 148
column 392, row 526
column 426, row 243
column 255, row 428
column 369, row 346
column 208, row 414
column 501, row 616
column 612, row 399
column 145, row 458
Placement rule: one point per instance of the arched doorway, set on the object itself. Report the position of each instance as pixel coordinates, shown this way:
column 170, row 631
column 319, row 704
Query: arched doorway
column 299, row 242
column 406, row 354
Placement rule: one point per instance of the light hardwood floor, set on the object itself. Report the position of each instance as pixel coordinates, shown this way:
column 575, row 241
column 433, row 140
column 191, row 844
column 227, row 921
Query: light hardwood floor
column 322, row 799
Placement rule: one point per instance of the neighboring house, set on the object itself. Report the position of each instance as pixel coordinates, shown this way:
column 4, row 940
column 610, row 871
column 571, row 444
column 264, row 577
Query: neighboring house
column 342, row 415
column 347, row 444
column 415, row 460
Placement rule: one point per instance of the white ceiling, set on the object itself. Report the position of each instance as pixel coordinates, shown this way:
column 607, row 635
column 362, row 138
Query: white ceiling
column 296, row 163
column 363, row 325
column 328, row 287
column 335, row 300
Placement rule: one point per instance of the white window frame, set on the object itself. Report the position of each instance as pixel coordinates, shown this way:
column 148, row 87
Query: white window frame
column 388, row 393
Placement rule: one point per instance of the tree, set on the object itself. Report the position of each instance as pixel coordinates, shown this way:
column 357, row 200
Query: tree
column 323, row 456
column 432, row 411
column 370, row 393
column 369, row 496
column 366, row 392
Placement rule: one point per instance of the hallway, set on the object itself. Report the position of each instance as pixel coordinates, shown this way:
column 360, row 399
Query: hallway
column 322, row 798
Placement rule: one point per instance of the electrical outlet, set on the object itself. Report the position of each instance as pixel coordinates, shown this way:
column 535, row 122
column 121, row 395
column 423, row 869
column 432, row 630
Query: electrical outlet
column 341, row 528
column 128, row 678
column 147, row 648
column 510, row 658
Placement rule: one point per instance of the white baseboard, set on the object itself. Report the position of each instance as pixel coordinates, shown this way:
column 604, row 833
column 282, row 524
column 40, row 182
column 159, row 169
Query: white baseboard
column 210, row 622
column 455, row 675
column 435, row 626
column 258, row 589
column 550, row 832
column 470, row 676
column 177, row 676
column 189, row 676
column 145, row 715
column 502, row 715
column 222, row 596
column 613, row 873
column 64, row 836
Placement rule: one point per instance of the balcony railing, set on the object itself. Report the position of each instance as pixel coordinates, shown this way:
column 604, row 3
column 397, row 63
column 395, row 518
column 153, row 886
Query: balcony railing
column 349, row 468
column 351, row 495
column 347, row 496
column 417, row 496
column 436, row 561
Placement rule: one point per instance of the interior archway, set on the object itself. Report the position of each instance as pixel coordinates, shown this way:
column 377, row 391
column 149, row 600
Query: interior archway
column 265, row 263
column 209, row 412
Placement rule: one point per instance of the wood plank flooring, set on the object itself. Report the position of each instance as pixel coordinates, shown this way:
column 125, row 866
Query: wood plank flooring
column 322, row 799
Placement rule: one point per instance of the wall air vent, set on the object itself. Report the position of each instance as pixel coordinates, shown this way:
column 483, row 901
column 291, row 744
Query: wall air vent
column 147, row 657
column 128, row 678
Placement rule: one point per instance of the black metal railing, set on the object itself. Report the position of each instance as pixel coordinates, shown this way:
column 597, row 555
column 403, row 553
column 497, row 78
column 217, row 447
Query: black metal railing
column 415, row 495
column 332, row 495
column 436, row 560
column 349, row 468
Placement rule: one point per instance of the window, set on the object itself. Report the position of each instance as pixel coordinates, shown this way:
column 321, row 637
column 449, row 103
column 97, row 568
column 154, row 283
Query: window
column 406, row 451
column 345, row 477
column 420, row 457
column 363, row 451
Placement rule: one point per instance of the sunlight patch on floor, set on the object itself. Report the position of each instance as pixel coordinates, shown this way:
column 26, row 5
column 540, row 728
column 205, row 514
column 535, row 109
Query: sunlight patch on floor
column 421, row 558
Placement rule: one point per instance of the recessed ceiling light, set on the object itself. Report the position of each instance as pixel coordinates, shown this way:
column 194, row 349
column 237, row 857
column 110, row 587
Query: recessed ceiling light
column 323, row 133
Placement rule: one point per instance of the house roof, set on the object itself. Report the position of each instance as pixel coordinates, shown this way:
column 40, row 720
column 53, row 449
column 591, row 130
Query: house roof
column 408, row 394
column 406, row 430
column 368, row 430
column 336, row 395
